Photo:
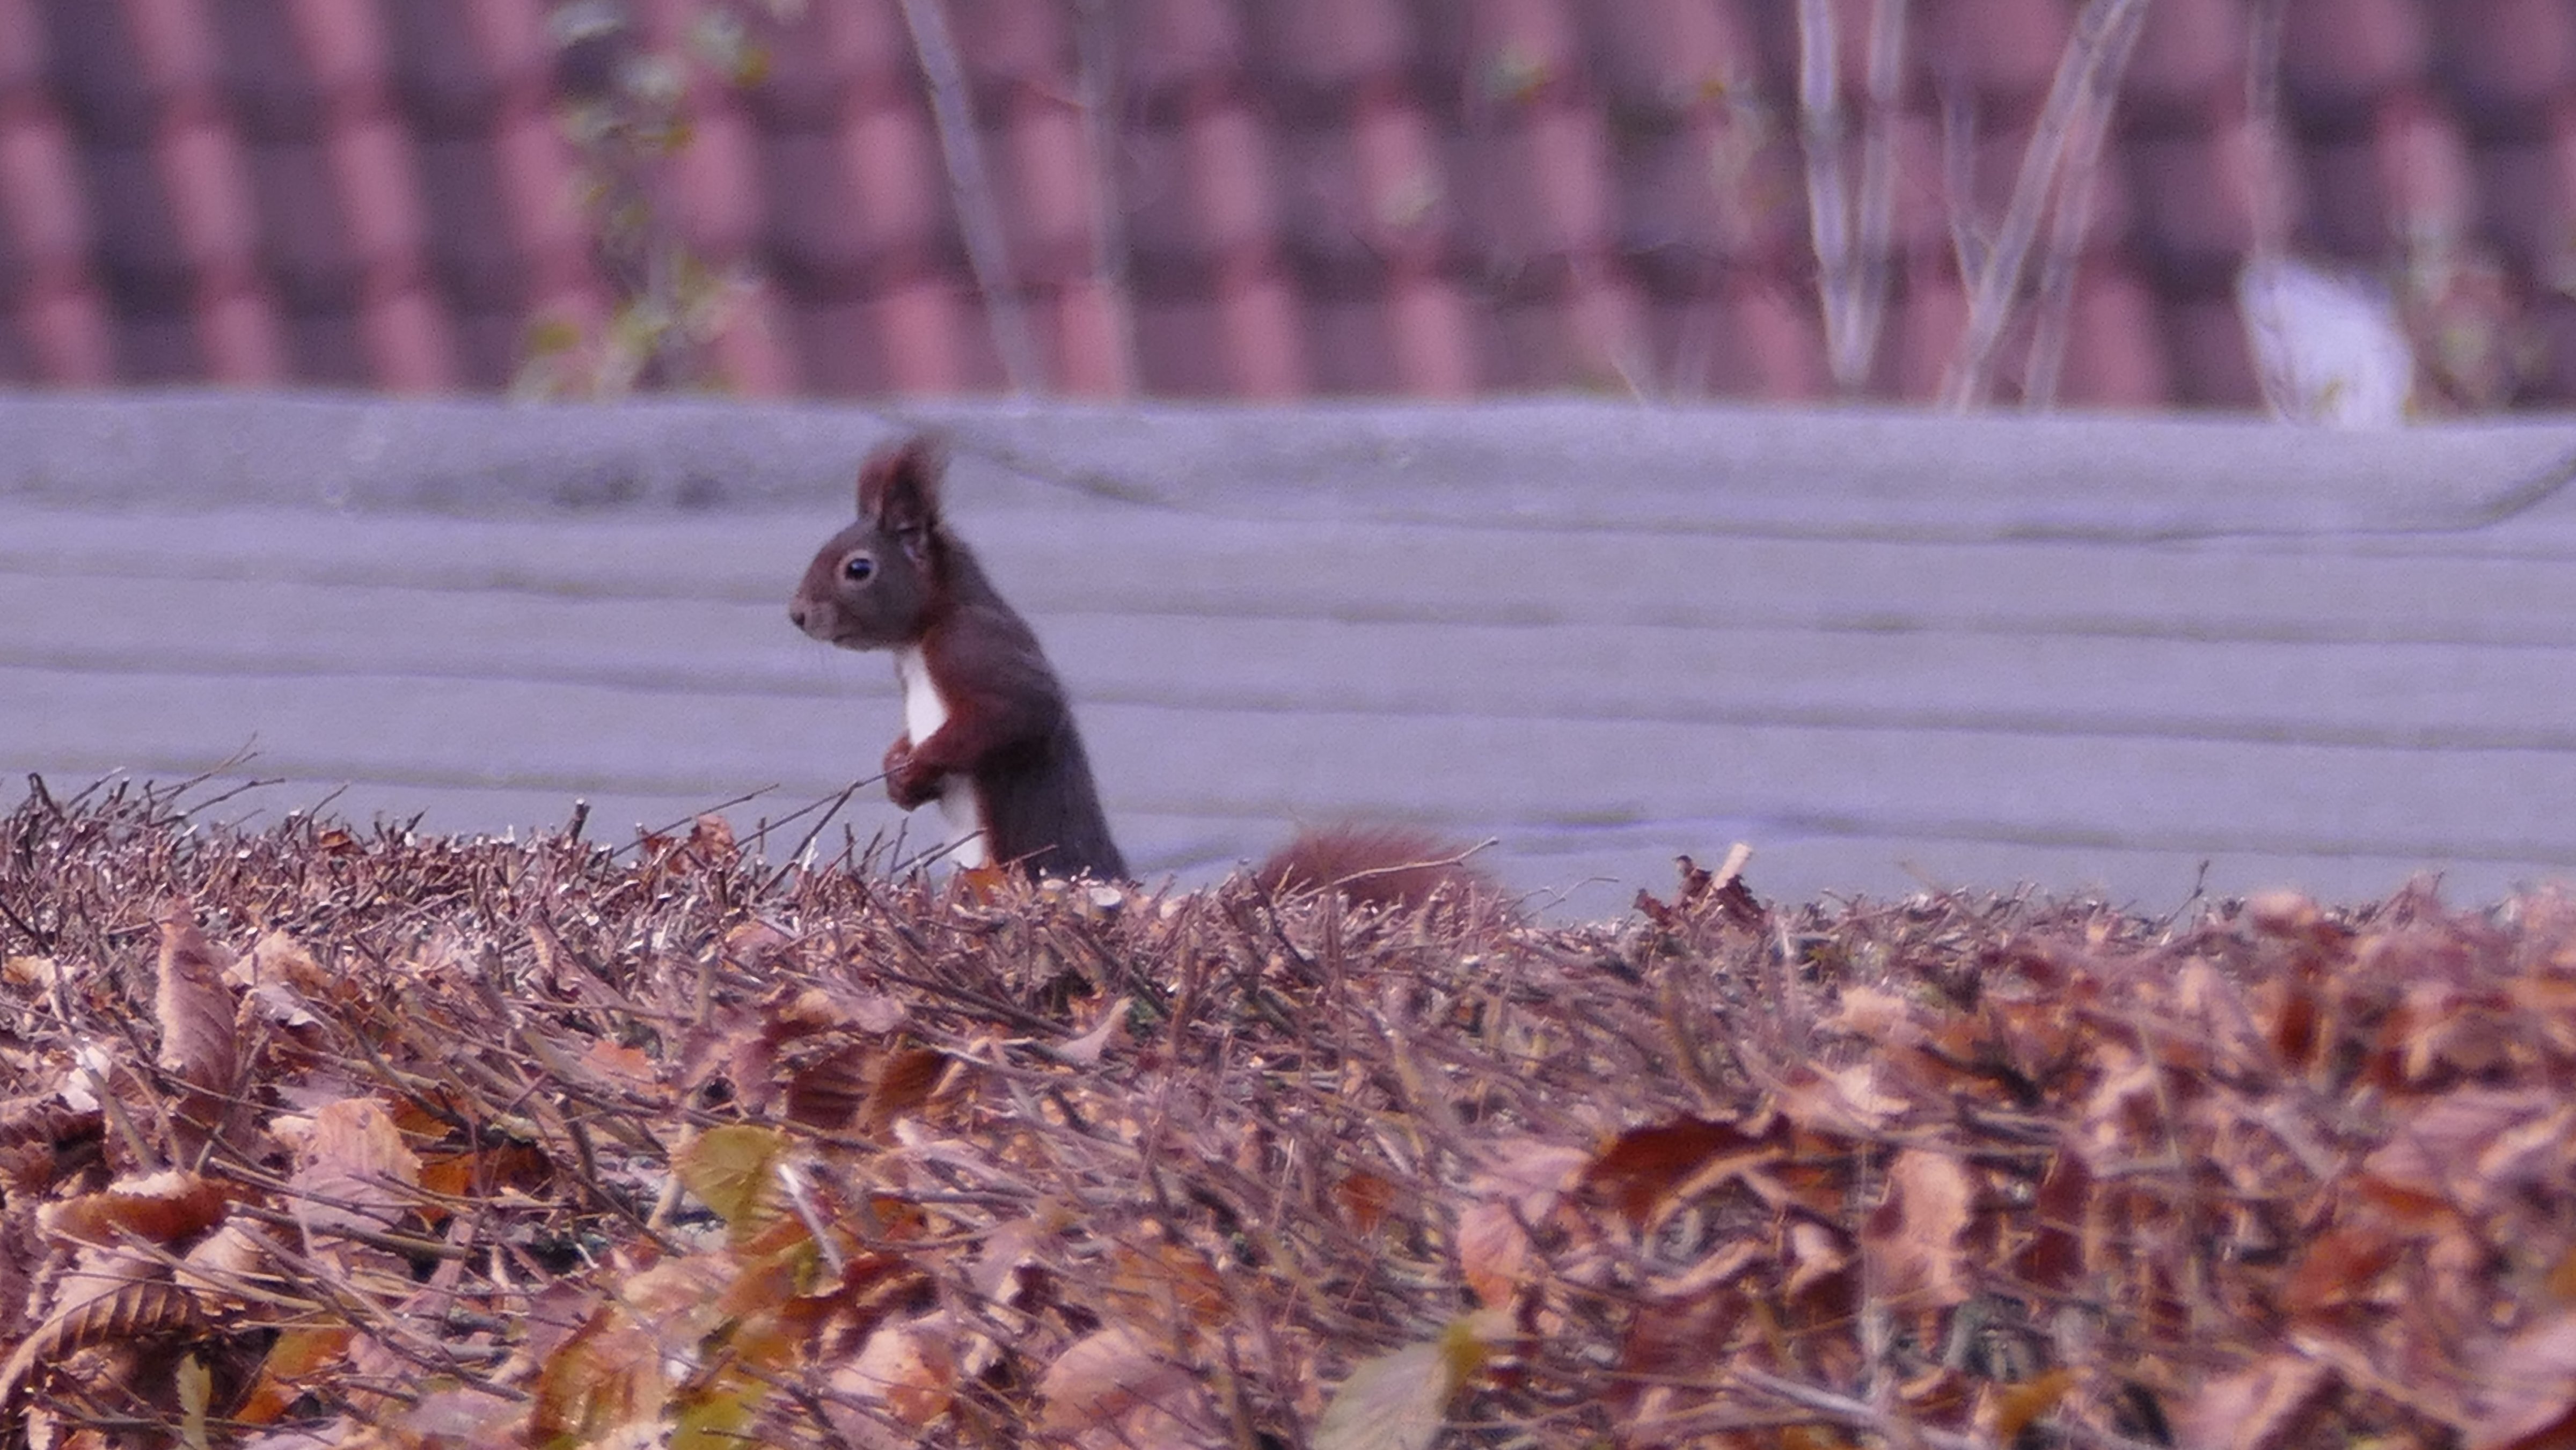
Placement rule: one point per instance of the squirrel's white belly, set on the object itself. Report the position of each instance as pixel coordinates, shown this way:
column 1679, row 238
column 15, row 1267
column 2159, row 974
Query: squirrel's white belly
column 923, row 713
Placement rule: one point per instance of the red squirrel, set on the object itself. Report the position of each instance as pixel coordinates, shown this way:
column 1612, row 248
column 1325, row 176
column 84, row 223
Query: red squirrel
column 988, row 730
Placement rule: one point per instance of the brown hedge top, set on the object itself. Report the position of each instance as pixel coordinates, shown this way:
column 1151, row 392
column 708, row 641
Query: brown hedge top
column 319, row 1136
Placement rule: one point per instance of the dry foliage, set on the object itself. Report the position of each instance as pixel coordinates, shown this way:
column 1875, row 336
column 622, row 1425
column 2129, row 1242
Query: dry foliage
column 317, row 1137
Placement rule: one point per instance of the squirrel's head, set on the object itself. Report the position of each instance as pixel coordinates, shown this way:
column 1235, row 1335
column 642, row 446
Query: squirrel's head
column 877, row 584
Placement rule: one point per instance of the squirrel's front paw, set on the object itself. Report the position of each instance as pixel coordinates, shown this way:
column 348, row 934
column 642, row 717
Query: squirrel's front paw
column 907, row 784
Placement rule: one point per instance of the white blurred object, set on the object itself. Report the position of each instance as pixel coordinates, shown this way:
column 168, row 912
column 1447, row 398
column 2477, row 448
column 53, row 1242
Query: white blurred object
column 2329, row 346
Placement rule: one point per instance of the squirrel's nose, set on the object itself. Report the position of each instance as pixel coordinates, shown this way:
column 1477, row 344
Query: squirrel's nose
column 796, row 613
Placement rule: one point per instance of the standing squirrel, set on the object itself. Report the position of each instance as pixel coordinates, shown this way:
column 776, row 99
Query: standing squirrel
column 988, row 730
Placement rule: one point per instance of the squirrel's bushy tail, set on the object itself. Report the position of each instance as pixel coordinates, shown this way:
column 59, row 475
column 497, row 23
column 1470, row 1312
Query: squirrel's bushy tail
column 1376, row 865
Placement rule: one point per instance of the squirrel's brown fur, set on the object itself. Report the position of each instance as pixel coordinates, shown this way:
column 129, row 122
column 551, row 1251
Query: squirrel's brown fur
column 1374, row 865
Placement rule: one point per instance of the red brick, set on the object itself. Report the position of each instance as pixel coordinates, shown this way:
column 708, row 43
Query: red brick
column 138, row 254
column 2190, row 56
column 410, row 346
column 371, row 169
column 1154, row 195
column 753, row 355
column 2523, row 208
column 96, row 82
column 1922, row 210
column 1526, row 51
column 1229, row 183
column 67, row 329
column 2555, row 248
column 1334, row 46
column 1404, row 205
column 2424, row 171
column 1924, row 328
column 41, row 199
column 917, row 323
column 510, row 36
column 2553, row 321
column 1676, row 55
column 1014, row 42
column 1542, row 191
column 2507, row 58
column 1180, row 45
column 2195, row 207
column 1433, row 345
column 536, row 176
column 1257, row 318
column 210, row 195
column 1089, row 327
column 1046, row 186
column 25, row 59
column 438, row 70
column 1604, row 321
column 1772, row 345
column 1347, row 344
column 812, row 200
column 900, row 183
column 344, row 45
column 2005, row 52
column 2347, row 216
column 2212, row 366
column 717, row 181
column 1522, row 346
column 1178, row 353
column 244, row 343
column 2339, row 56
column 471, row 237
column 2115, row 353
column 836, row 345
column 174, row 47
column 271, row 91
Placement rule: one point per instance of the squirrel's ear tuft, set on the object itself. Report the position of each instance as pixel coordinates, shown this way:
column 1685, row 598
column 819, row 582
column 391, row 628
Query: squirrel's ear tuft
column 899, row 487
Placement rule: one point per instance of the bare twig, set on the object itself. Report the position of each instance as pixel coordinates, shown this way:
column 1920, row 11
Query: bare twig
column 1852, row 270
column 2088, row 66
column 1095, row 41
column 979, row 214
column 2073, row 218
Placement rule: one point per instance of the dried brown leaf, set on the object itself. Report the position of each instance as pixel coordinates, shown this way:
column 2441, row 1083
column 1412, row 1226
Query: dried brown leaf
column 1915, row 1238
column 1399, row 1400
column 353, row 1169
column 132, row 1312
column 2528, row 1396
column 1643, row 1166
column 193, row 1007
column 2253, row 1408
column 168, row 1208
column 1113, row 1387
column 902, row 1083
column 729, row 1168
column 1520, row 1191
column 1847, row 1101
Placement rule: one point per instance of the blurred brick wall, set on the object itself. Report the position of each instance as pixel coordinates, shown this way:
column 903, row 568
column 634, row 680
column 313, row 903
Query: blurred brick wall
column 1424, row 197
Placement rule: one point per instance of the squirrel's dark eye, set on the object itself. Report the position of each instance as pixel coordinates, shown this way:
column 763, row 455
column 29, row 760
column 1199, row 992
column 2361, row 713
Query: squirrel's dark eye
column 858, row 568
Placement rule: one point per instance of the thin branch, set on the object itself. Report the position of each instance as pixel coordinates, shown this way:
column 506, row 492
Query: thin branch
column 1878, row 175
column 2083, row 70
column 2074, row 218
column 1969, row 244
column 1850, row 231
column 1095, row 41
column 979, row 215
column 1820, row 128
